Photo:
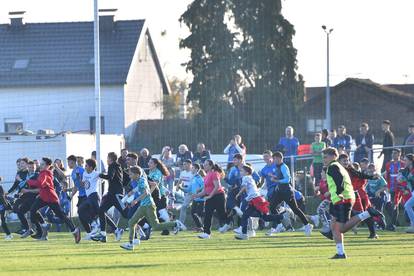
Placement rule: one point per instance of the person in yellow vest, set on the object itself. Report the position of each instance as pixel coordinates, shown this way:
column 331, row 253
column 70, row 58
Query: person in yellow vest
column 342, row 198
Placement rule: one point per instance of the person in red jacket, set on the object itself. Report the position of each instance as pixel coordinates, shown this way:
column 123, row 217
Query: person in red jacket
column 359, row 181
column 48, row 197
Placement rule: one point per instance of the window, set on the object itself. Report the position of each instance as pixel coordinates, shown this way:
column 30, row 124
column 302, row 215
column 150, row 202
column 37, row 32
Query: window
column 13, row 125
column 21, row 64
column 92, row 124
column 315, row 125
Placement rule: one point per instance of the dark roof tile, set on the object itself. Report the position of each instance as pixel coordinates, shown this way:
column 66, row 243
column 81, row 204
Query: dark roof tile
column 60, row 53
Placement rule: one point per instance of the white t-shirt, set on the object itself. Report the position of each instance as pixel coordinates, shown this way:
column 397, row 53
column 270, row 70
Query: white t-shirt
column 91, row 182
column 185, row 178
column 251, row 188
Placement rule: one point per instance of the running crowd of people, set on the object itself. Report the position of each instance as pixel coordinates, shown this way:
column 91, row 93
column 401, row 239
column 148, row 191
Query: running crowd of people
column 144, row 190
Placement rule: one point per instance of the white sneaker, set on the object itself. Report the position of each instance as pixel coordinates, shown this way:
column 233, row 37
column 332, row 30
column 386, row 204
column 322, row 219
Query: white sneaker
column 238, row 230
column 315, row 220
column 308, row 229
column 204, row 236
column 224, row 228
column 251, row 233
column 8, row 237
column 181, row 225
column 242, row 237
column 271, row 232
column 118, row 234
column 136, row 242
column 87, row 237
column 239, row 212
column 127, row 246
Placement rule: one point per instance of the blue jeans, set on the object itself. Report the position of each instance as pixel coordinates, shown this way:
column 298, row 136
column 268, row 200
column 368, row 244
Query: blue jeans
column 409, row 205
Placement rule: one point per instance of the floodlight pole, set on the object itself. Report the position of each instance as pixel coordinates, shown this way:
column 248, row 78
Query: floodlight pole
column 97, row 89
column 328, row 88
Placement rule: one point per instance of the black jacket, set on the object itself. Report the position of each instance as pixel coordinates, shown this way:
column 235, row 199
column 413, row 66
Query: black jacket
column 15, row 187
column 388, row 141
column 114, row 177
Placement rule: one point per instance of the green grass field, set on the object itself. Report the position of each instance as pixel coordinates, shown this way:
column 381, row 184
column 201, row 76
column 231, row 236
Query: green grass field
column 285, row 254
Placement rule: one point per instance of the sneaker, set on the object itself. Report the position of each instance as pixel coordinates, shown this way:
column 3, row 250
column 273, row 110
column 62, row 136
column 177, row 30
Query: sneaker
column 373, row 237
column 328, row 234
column 77, row 235
column 241, row 237
column 238, row 230
column 43, row 238
column 290, row 229
column 8, row 237
column 127, row 246
column 390, row 227
column 136, row 242
column 224, row 228
column 355, row 230
column 118, row 234
column 410, row 230
column 271, row 232
column 308, row 229
column 238, row 211
column 45, row 231
column 181, row 225
column 27, row 233
column 99, row 237
column 315, row 220
column 251, row 233
column 204, row 236
column 36, row 235
column 21, row 231
column 87, row 237
column 375, row 213
column 339, row 256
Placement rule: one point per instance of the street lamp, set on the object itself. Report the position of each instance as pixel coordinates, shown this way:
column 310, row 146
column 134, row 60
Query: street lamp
column 328, row 88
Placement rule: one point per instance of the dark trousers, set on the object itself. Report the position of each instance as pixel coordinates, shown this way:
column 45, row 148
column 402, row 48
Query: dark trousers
column 107, row 202
column 3, row 222
column 197, row 210
column 251, row 211
column 284, row 192
column 88, row 211
column 22, row 206
column 317, row 170
column 378, row 202
column 55, row 207
column 387, row 158
column 216, row 203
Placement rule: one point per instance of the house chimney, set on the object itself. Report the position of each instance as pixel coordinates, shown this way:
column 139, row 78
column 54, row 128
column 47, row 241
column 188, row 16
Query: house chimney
column 106, row 19
column 16, row 19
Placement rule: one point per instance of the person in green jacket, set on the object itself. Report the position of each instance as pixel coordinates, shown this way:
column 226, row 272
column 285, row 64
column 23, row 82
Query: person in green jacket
column 342, row 197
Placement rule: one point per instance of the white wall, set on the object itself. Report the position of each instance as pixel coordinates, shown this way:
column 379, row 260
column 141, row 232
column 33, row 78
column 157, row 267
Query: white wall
column 62, row 108
column 143, row 91
column 58, row 147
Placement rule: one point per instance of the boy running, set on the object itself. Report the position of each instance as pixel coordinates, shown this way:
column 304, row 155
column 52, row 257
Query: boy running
column 48, row 197
column 89, row 208
column 257, row 205
column 146, row 209
column 342, row 198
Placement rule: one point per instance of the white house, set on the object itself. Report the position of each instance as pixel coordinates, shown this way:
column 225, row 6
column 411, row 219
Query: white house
column 47, row 76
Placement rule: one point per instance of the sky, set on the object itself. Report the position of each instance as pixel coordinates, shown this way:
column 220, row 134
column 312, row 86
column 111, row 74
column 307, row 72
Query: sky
column 371, row 38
